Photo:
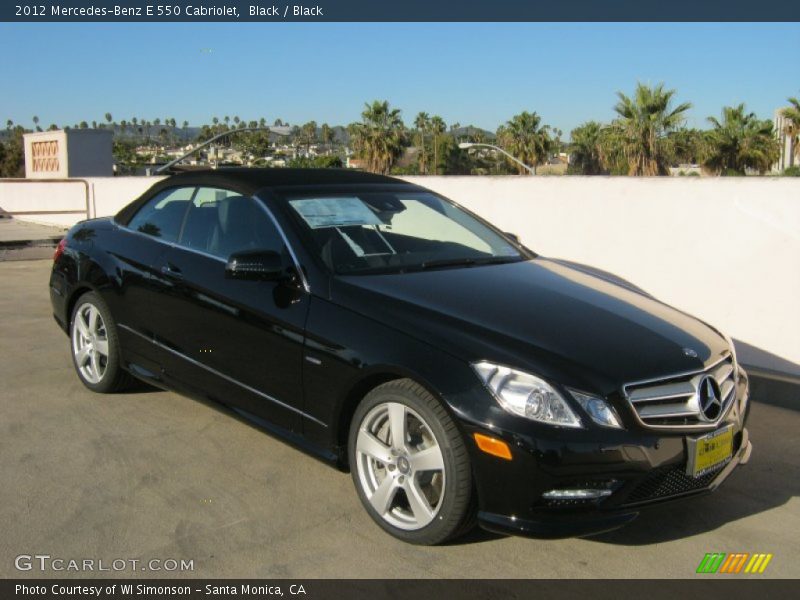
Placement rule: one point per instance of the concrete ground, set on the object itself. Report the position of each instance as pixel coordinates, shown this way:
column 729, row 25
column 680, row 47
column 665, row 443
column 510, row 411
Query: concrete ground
column 21, row 240
column 154, row 475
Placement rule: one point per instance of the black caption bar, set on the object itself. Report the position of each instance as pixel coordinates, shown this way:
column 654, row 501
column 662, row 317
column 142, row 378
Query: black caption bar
column 375, row 589
column 402, row 10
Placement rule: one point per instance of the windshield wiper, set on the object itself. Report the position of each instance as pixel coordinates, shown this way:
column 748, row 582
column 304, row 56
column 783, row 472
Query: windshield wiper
column 446, row 262
column 433, row 264
column 466, row 262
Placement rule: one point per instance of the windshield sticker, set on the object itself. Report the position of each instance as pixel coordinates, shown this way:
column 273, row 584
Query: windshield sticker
column 319, row 213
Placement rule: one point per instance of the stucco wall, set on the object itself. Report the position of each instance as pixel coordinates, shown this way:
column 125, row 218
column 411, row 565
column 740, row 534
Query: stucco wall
column 726, row 250
column 62, row 202
column 109, row 194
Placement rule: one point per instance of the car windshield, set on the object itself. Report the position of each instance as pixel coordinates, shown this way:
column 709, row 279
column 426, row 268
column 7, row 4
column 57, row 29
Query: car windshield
column 383, row 232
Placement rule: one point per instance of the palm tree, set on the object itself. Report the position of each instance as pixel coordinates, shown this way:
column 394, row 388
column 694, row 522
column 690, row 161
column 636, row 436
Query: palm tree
column 380, row 136
column 454, row 127
column 739, row 142
column 437, row 127
column 557, row 145
column 422, row 123
column 645, row 119
column 686, row 146
column 613, row 140
column 585, row 148
column 309, row 134
column 109, row 118
column 527, row 139
column 325, row 133
column 792, row 128
column 36, row 123
column 9, row 124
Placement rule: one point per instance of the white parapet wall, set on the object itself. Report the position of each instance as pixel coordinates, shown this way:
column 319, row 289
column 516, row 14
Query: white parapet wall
column 726, row 250
column 60, row 202
column 110, row 194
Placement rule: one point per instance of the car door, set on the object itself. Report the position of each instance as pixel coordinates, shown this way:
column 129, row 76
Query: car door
column 240, row 342
column 137, row 246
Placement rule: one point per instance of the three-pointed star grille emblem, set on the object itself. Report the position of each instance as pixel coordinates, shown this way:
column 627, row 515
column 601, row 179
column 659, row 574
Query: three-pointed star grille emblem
column 708, row 394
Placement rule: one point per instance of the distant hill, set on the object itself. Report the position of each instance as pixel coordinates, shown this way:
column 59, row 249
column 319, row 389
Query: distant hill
column 471, row 130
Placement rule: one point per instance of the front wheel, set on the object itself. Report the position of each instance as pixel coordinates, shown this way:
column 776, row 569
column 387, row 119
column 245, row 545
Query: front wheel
column 95, row 346
column 409, row 464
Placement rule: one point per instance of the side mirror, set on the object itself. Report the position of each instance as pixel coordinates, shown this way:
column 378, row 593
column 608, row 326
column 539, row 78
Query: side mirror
column 513, row 236
column 258, row 265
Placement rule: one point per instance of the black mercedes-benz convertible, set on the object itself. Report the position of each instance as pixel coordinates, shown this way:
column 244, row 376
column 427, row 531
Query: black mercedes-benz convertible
column 458, row 375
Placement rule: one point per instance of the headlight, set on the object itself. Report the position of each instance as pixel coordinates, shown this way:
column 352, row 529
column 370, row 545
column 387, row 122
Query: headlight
column 601, row 411
column 526, row 395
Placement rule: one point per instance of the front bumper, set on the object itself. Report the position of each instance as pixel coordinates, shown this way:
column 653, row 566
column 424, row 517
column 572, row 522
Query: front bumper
column 580, row 523
column 640, row 467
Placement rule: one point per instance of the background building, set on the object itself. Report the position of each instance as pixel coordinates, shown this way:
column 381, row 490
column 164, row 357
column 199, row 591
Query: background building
column 69, row 153
column 786, row 159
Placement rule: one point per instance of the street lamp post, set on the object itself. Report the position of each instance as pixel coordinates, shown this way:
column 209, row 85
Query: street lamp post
column 467, row 145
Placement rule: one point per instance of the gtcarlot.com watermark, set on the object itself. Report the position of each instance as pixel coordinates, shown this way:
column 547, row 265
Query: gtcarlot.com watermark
column 44, row 563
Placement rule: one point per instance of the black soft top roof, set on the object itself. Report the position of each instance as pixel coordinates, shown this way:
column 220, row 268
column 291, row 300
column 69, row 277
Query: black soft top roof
column 248, row 181
column 256, row 179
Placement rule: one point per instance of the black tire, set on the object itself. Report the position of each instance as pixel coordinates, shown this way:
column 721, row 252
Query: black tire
column 456, row 509
column 114, row 378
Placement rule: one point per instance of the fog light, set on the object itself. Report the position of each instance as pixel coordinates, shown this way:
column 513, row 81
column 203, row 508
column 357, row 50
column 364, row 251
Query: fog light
column 576, row 494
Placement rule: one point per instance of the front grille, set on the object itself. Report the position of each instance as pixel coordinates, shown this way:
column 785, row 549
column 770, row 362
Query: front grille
column 669, row 481
column 675, row 402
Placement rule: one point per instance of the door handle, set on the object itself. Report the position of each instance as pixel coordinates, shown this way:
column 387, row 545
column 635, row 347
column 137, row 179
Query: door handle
column 172, row 271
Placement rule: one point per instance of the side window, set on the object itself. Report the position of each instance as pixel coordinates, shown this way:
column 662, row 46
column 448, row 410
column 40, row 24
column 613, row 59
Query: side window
column 162, row 216
column 222, row 222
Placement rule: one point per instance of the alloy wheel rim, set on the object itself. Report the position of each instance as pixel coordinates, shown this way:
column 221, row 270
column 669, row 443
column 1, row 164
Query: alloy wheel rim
column 90, row 343
column 400, row 466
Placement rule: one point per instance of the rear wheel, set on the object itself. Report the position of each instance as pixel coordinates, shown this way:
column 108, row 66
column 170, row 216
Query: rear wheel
column 409, row 464
column 95, row 346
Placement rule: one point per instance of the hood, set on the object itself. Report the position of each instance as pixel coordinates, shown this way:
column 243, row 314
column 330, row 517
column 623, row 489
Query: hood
column 539, row 315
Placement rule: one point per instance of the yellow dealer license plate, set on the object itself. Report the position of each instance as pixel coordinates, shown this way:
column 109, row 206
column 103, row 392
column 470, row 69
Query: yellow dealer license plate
column 709, row 452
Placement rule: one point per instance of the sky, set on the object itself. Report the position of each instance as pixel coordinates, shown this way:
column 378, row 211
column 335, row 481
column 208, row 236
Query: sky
column 479, row 74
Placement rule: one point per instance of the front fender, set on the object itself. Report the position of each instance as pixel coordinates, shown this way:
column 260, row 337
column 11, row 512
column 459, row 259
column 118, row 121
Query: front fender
column 366, row 353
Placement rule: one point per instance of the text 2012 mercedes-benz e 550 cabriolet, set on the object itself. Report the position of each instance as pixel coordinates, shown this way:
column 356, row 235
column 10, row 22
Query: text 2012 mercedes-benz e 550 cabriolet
column 455, row 373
